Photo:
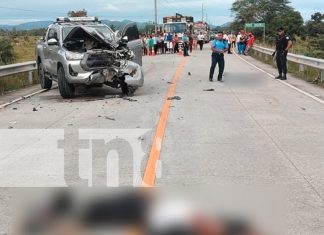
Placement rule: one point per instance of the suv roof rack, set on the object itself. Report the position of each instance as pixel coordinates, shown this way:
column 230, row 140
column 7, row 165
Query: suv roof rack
column 77, row 19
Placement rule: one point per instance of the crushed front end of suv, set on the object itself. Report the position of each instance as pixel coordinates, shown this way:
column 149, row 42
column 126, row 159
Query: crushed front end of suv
column 83, row 51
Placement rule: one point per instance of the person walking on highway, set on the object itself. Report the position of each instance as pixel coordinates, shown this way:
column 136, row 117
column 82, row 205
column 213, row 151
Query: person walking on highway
column 219, row 46
column 185, row 40
column 201, row 40
column 283, row 44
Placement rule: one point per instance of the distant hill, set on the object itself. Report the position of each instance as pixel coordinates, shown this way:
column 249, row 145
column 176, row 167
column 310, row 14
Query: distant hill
column 27, row 26
column 226, row 25
column 45, row 24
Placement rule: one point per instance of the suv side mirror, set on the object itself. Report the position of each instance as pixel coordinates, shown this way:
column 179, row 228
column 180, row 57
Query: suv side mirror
column 124, row 39
column 52, row 42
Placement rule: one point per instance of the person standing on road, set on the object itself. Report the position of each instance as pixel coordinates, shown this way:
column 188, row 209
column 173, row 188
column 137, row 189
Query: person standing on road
column 201, row 40
column 283, row 44
column 219, row 46
column 185, row 40
column 191, row 42
column 175, row 43
column 250, row 43
column 150, row 43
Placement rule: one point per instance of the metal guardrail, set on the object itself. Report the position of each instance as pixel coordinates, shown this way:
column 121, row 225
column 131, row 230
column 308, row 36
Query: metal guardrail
column 13, row 69
column 299, row 59
column 17, row 68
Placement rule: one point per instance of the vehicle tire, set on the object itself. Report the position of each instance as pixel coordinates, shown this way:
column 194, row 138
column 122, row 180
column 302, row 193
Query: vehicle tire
column 131, row 90
column 45, row 82
column 66, row 90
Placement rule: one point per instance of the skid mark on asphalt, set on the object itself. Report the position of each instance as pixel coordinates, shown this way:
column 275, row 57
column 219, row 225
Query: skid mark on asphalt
column 154, row 157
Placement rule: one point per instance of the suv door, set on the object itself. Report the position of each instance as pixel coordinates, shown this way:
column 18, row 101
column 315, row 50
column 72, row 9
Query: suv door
column 134, row 41
column 51, row 51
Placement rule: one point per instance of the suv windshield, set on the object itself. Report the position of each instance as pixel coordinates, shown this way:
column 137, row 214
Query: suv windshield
column 104, row 30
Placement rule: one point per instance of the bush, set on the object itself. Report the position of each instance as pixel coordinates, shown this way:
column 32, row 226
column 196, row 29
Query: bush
column 7, row 54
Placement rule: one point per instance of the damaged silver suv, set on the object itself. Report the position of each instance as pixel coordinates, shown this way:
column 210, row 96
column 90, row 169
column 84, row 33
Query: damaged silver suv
column 83, row 51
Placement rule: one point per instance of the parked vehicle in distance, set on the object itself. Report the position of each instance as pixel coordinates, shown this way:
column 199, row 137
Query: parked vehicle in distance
column 83, row 51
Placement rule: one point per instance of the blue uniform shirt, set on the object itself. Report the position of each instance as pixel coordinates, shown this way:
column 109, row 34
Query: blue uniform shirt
column 219, row 44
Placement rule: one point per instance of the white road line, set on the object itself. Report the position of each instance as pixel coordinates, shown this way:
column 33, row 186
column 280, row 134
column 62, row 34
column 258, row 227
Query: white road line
column 283, row 82
column 23, row 98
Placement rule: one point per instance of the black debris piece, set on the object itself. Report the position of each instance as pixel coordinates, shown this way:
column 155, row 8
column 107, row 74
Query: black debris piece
column 111, row 119
column 129, row 99
column 34, row 109
column 210, row 89
column 174, row 98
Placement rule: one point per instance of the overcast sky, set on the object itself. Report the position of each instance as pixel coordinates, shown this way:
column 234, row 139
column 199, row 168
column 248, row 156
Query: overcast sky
column 218, row 11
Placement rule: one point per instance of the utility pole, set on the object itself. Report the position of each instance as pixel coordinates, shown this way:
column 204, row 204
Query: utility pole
column 202, row 12
column 155, row 10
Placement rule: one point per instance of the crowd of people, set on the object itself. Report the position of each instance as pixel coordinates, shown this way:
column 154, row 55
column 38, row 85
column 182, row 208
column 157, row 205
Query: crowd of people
column 167, row 43
column 221, row 44
column 154, row 44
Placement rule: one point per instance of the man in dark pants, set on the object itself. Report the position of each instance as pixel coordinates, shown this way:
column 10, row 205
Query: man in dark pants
column 219, row 47
column 283, row 44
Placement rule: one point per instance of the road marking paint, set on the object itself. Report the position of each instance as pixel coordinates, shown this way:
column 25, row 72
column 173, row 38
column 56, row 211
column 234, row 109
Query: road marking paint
column 23, row 98
column 283, row 82
column 154, row 157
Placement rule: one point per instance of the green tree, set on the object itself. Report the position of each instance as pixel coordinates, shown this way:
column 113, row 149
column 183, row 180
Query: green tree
column 7, row 55
column 274, row 13
column 315, row 26
column 291, row 21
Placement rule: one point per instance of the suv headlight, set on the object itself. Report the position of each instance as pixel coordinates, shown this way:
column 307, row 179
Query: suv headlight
column 73, row 55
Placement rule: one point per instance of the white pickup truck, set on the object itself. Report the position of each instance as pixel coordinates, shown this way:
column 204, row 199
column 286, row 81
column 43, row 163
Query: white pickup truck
column 83, row 51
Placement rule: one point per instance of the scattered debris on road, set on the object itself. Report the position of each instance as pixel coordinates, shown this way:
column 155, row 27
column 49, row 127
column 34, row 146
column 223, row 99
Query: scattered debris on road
column 120, row 97
column 109, row 118
column 303, row 108
column 10, row 127
column 141, row 138
column 174, row 98
column 189, row 74
column 34, row 109
column 129, row 99
column 210, row 89
column 14, row 108
column 113, row 97
column 170, row 83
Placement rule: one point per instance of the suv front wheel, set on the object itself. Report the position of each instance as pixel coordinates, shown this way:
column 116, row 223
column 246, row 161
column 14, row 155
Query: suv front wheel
column 66, row 90
column 45, row 82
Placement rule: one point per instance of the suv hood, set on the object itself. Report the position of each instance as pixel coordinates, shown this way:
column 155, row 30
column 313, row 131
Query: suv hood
column 81, row 32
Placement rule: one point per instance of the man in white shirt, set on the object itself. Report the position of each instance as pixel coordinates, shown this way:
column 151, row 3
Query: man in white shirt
column 201, row 40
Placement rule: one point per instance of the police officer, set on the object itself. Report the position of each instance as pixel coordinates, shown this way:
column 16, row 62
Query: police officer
column 283, row 44
column 219, row 47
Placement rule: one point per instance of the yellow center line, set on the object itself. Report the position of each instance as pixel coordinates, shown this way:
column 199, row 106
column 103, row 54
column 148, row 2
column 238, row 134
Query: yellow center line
column 150, row 172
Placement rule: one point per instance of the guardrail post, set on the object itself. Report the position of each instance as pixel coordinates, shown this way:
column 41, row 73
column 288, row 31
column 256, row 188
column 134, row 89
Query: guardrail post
column 30, row 77
column 301, row 68
column 322, row 75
